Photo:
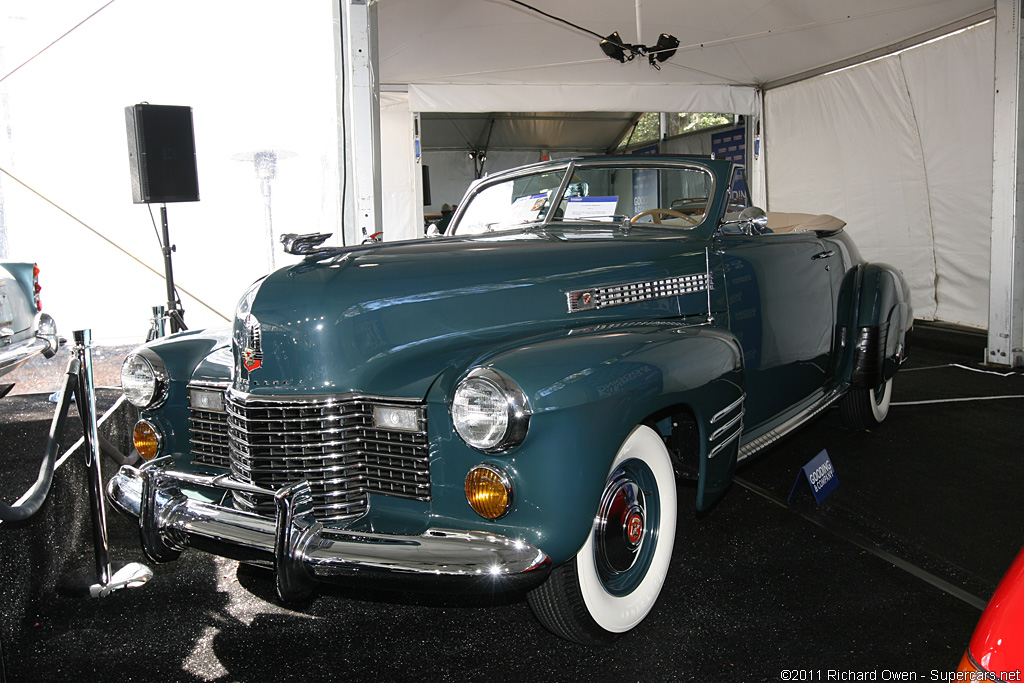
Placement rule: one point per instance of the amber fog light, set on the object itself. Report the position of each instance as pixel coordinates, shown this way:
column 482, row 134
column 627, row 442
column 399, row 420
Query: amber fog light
column 489, row 491
column 147, row 439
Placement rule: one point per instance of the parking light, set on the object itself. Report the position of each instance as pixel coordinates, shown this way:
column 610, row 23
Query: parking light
column 147, row 439
column 489, row 491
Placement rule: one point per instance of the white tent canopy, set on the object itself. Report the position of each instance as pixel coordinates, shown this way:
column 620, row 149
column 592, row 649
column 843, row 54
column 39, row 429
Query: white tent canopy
column 464, row 44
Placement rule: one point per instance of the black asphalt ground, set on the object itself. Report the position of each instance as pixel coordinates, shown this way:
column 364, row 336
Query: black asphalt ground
column 888, row 575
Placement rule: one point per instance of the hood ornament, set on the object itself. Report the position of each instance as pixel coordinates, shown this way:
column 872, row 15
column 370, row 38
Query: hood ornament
column 302, row 245
column 252, row 351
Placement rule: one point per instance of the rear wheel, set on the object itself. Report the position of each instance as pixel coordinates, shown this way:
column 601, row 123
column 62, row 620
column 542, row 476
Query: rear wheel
column 864, row 409
column 616, row 577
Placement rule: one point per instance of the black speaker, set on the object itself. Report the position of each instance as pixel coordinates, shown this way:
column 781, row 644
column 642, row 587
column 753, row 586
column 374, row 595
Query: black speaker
column 426, row 185
column 162, row 154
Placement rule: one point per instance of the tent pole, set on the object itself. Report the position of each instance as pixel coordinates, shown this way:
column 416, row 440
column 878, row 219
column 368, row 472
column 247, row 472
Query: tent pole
column 1006, row 288
column 362, row 134
column 639, row 25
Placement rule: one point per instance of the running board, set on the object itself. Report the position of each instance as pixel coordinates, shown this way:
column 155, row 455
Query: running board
column 772, row 435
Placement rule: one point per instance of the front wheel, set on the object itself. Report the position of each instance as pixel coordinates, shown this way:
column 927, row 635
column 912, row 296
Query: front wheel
column 864, row 409
column 614, row 580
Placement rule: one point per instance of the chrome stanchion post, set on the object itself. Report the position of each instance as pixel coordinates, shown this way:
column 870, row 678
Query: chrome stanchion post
column 130, row 575
column 87, row 400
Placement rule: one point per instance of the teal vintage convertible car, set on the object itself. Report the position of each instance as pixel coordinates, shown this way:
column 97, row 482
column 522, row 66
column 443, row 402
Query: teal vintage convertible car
column 510, row 405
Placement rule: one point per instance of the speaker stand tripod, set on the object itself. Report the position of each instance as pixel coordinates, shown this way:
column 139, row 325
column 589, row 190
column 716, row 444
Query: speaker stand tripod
column 174, row 311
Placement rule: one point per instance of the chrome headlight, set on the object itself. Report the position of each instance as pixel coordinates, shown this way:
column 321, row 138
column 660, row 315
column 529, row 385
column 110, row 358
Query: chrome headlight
column 489, row 410
column 144, row 379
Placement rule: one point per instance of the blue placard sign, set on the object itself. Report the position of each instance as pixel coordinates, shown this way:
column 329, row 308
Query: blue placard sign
column 820, row 475
column 730, row 145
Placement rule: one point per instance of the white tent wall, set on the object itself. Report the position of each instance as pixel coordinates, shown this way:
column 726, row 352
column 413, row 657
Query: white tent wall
column 259, row 75
column 401, row 187
column 697, row 143
column 451, row 174
column 900, row 148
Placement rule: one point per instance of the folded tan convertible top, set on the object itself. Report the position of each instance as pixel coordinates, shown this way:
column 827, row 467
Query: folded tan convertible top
column 803, row 222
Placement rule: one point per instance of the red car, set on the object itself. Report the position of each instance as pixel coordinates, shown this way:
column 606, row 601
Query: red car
column 996, row 651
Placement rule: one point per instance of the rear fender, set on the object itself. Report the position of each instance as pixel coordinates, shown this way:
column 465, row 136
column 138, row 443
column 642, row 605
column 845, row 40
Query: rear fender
column 22, row 304
column 875, row 312
column 587, row 391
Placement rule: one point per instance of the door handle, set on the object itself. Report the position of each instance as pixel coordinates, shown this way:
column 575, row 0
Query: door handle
column 825, row 254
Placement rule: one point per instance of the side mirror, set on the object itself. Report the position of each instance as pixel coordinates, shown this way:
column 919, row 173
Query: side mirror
column 752, row 221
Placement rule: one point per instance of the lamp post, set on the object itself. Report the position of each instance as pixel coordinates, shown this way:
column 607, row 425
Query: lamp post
column 265, row 164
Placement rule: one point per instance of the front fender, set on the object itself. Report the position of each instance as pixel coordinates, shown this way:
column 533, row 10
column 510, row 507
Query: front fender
column 186, row 355
column 587, row 390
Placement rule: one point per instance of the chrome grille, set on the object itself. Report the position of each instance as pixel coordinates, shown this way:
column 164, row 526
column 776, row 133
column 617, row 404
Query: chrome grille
column 208, row 433
column 330, row 442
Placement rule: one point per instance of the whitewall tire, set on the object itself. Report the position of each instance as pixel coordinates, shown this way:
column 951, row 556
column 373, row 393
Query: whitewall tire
column 865, row 409
column 615, row 579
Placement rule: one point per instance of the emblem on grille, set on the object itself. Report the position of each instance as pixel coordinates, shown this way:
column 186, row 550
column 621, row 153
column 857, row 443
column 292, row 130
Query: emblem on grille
column 252, row 353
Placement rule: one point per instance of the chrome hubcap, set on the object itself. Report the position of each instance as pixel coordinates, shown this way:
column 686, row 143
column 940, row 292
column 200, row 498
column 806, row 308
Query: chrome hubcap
column 620, row 527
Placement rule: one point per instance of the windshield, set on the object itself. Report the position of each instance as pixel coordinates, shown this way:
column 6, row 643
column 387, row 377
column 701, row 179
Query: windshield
column 677, row 197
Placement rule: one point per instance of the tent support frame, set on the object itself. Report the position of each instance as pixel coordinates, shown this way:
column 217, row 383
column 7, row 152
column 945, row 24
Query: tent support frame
column 362, row 158
column 1006, row 288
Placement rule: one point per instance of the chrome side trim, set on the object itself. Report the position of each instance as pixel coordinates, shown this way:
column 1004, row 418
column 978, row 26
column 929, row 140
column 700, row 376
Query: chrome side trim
column 727, row 426
column 302, row 550
column 728, row 409
column 771, row 436
column 636, row 292
column 731, row 430
column 720, row 447
column 711, row 282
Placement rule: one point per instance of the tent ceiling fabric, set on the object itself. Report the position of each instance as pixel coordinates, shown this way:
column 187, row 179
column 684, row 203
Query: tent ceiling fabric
column 723, row 43
column 495, row 56
column 584, row 132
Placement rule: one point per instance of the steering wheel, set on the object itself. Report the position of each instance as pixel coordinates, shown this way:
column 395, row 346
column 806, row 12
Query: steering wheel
column 656, row 214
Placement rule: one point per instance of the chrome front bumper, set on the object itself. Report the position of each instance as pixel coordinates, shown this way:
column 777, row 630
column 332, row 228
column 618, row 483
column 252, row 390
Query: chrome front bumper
column 301, row 550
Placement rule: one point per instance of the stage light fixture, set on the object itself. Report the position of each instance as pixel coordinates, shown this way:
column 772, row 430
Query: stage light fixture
column 664, row 49
column 613, row 47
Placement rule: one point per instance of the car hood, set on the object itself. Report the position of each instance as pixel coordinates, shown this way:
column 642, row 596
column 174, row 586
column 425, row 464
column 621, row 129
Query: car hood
column 386, row 319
